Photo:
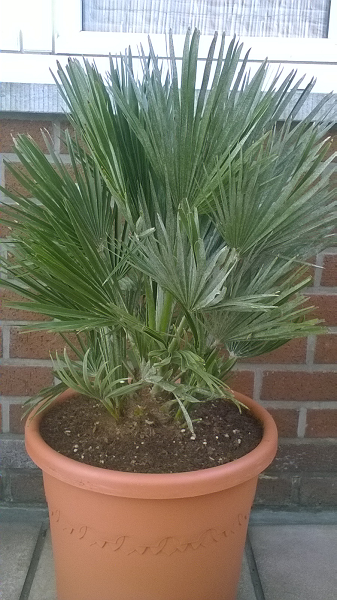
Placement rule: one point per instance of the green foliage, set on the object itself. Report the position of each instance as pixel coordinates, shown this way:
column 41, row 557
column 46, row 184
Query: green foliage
column 182, row 231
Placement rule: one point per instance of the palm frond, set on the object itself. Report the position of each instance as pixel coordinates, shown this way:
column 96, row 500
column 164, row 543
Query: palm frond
column 179, row 226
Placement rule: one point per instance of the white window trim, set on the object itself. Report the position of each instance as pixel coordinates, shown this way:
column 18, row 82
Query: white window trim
column 315, row 57
column 71, row 39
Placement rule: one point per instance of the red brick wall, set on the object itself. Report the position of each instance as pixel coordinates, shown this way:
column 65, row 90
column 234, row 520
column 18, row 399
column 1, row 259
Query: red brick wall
column 297, row 383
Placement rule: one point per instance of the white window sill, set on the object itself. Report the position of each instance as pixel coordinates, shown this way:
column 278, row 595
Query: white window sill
column 27, row 85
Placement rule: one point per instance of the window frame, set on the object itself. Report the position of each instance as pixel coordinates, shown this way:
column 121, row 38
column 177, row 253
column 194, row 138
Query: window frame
column 314, row 57
column 71, row 39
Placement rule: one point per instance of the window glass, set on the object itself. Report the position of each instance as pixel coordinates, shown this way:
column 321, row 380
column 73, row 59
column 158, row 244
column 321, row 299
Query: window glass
column 276, row 18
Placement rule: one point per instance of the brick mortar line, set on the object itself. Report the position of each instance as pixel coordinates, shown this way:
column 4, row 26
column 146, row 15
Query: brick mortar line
column 301, row 475
column 257, row 369
column 311, row 346
column 269, row 367
column 295, row 489
column 8, row 400
column 318, row 271
column 287, row 367
column 5, row 418
column 290, row 475
column 298, row 404
column 302, row 422
column 305, row 441
column 26, row 362
column 257, row 385
column 56, row 136
column 20, row 322
column 272, row 404
column 332, row 328
column 34, row 116
column 10, row 156
column 324, row 290
column 331, row 250
column 5, row 342
column 11, row 323
column 2, row 176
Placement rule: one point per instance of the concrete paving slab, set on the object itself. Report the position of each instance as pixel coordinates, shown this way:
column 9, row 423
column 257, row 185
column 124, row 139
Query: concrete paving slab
column 246, row 589
column 17, row 544
column 23, row 514
column 296, row 562
column 43, row 587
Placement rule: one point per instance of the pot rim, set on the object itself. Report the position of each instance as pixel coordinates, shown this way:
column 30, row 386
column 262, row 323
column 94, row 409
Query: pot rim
column 153, row 485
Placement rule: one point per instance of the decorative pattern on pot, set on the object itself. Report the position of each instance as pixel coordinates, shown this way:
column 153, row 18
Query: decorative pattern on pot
column 129, row 544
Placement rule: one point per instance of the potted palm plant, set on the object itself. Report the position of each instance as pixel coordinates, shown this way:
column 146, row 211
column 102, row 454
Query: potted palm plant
column 174, row 242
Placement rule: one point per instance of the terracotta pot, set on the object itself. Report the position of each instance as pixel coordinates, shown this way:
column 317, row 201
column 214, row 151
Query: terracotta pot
column 126, row 536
